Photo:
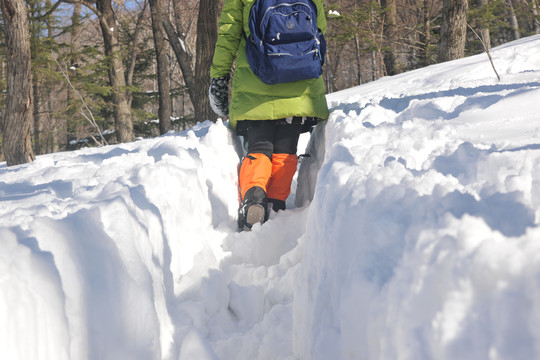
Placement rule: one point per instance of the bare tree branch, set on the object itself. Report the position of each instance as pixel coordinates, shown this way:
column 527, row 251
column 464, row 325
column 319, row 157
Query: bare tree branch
column 88, row 115
column 51, row 10
column 134, row 50
column 182, row 56
column 487, row 51
column 88, row 4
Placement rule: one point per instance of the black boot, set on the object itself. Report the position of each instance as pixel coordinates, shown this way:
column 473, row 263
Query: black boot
column 253, row 209
column 276, row 205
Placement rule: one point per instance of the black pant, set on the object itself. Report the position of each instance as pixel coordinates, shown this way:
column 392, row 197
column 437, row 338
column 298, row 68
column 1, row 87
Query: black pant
column 273, row 136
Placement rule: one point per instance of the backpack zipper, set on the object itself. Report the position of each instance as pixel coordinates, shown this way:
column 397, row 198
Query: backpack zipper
column 276, row 6
column 289, row 54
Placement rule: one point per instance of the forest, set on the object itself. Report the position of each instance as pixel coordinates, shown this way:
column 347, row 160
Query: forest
column 86, row 73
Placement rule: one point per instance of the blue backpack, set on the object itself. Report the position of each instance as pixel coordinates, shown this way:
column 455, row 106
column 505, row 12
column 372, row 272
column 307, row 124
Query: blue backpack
column 285, row 44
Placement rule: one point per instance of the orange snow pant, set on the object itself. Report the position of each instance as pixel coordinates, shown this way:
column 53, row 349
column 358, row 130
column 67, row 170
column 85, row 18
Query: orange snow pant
column 271, row 159
column 273, row 176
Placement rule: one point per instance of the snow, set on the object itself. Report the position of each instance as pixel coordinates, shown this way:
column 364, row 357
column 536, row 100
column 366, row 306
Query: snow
column 421, row 241
column 182, row 43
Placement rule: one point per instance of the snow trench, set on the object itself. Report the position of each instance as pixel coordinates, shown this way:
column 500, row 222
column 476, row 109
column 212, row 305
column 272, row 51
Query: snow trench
column 411, row 233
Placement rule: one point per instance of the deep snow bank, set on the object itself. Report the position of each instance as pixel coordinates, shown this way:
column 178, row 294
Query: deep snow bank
column 95, row 244
column 422, row 241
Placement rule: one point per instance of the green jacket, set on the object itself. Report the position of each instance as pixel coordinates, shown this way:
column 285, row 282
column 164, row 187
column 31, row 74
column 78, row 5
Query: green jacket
column 251, row 99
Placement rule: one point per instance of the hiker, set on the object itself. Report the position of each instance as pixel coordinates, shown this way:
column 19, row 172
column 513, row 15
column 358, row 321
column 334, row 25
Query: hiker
column 274, row 98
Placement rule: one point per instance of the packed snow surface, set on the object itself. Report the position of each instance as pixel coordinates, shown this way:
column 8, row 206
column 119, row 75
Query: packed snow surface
column 422, row 240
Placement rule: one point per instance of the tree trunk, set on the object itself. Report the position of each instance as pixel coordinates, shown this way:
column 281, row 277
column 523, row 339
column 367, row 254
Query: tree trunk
column 179, row 43
column 182, row 57
column 35, row 34
column 453, row 30
column 51, row 143
column 76, row 28
column 331, row 63
column 206, row 41
column 134, row 52
column 122, row 109
column 358, row 58
column 164, row 84
column 513, row 19
column 197, row 79
column 425, row 37
column 18, row 114
column 390, row 20
column 536, row 20
column 484, row 32
column 37, row 116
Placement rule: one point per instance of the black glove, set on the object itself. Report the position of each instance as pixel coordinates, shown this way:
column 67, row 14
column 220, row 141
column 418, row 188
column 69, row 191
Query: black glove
column 219, row 95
